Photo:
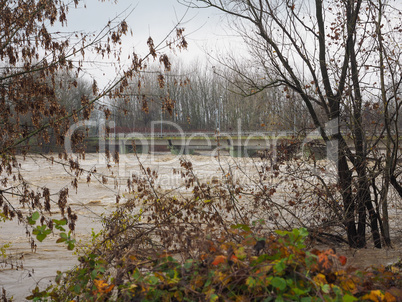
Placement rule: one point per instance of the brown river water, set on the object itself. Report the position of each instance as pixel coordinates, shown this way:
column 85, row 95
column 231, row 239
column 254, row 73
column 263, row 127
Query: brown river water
column 89, row 201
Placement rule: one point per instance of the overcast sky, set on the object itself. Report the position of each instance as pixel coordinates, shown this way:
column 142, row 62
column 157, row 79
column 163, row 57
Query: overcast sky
column 154, row 18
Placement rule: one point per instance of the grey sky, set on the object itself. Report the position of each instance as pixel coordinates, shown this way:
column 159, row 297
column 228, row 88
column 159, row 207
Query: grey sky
column 153, row 18
column 149, row 18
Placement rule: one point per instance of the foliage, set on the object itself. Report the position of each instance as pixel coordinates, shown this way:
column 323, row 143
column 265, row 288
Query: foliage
column 210, row 244
column 42, row 96
column 43, row 230
column 34, row 110
column 281, row 269
column 213, row 243
column 3, row 246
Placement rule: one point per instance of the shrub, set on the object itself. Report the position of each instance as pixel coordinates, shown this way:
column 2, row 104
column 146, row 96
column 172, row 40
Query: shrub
column 276, row 268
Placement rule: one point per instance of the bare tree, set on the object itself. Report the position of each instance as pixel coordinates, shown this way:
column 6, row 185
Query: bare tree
column 337, row 56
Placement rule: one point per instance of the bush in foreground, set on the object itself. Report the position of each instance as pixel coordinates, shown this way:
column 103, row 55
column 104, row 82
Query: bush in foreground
column 278, row 268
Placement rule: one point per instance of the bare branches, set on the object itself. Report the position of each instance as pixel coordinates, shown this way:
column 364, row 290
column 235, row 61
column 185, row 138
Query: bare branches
column 327, row 58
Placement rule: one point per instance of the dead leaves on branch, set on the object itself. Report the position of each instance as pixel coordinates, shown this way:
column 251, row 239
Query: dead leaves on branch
column 137, row 254
column 42, row 67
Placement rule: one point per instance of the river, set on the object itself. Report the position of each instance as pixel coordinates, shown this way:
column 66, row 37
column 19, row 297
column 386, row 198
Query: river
column 31, row 268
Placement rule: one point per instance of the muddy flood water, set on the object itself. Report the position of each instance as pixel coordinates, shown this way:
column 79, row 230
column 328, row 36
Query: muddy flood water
column 89, row 201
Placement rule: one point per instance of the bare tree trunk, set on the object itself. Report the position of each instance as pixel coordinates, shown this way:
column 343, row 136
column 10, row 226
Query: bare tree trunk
column 345, row 180
column 391, row 153
column 363, row 198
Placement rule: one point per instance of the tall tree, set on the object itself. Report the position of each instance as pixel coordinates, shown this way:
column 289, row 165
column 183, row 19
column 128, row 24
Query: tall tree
column 340, row 57
column 32, row 60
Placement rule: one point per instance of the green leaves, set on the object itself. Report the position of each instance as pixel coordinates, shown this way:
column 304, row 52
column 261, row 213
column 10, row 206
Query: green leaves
column 58, row 224
column 243, row 227
column 280, row 266
column 67, row 239
column 41, row 232
column 33, row 218
column 349, row 298
column 296, row 237
column 229, row 272
column 279, row 283
column 250, row 282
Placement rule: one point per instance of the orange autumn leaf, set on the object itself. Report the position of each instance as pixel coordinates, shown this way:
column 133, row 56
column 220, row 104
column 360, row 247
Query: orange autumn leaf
column 389, row 297
column 342, row 260
column 325, row 261
column 315, row 252
column 99, row 283
column 219, row 259
column 102, row 287
column 234, row 259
